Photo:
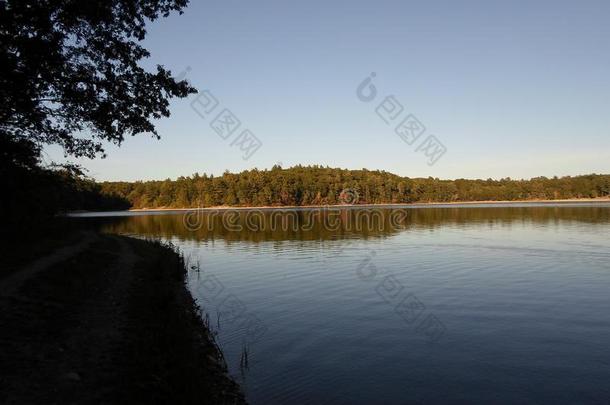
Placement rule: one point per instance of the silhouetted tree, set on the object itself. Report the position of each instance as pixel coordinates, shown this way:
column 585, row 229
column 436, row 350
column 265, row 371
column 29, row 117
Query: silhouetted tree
column 70, row 67
column 70, row 75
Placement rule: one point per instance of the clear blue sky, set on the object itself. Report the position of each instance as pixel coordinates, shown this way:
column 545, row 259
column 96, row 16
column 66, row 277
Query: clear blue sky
column 517, row 89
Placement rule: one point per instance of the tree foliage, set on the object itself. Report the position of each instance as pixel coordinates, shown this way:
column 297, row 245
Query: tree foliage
column 316, row 185
column 70, row 72
column 70, row 75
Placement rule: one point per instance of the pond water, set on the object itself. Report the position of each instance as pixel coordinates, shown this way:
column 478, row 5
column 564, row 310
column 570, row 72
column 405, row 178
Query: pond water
column 448, row 304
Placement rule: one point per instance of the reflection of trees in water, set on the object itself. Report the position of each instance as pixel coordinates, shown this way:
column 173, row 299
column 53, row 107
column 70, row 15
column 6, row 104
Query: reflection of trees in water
column 324, row 224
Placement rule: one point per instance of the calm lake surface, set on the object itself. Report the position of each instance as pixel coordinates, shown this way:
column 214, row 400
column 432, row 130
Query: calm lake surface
column 495, row 304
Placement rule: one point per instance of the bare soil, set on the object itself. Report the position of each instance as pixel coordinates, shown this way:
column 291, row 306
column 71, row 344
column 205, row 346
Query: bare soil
column 107, row 320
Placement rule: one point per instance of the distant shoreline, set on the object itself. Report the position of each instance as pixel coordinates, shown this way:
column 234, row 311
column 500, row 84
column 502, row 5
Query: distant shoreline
column 383, row 205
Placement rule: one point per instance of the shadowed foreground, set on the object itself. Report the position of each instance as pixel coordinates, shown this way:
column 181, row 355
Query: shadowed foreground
column 107, row 320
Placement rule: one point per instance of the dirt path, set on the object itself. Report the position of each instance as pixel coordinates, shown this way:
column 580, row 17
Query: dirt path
column 58, row 324
column 100, row 335
column 107, row 320
column 13, row 282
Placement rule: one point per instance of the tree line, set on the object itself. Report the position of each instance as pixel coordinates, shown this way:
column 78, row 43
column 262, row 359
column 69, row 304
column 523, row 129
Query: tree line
column 317, row 185
column 36, row 194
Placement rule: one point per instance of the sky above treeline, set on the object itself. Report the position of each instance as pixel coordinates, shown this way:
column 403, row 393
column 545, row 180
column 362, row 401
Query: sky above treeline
column 507, row 89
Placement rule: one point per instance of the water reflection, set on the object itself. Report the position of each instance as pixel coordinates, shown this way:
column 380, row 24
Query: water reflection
column 334, row 306
column 334, row 223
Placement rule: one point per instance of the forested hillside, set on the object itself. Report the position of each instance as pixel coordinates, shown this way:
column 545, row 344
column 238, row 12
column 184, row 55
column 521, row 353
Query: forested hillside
column 316, row 185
